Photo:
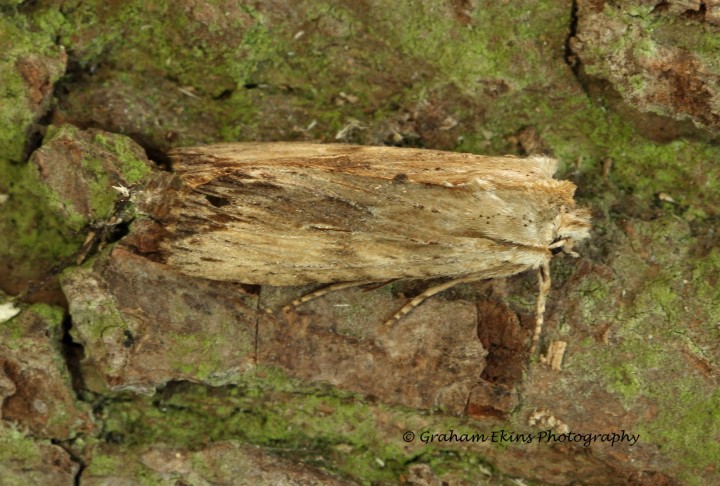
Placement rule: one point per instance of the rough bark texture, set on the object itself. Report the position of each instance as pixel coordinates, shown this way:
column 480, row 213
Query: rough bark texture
column 660, row 56
column 126, row 372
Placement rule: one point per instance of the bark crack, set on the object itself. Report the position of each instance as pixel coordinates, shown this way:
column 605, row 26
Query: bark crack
column 570, row 58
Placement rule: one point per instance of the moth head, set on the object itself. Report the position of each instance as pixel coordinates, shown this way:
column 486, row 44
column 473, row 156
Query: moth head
column 571, row 226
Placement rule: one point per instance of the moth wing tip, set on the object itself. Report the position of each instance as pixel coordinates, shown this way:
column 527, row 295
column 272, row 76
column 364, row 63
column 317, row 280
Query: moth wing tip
column 546, row 164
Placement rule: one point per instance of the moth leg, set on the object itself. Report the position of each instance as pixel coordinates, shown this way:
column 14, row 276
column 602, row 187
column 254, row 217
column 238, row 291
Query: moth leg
column 407, row 308
column 322, row 291
column 544, row 289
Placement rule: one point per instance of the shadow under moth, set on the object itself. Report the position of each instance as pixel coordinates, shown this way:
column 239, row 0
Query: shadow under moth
column 285, row 214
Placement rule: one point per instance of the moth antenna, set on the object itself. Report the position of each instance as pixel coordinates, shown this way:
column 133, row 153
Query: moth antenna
column 407, row 308
column 544, row 283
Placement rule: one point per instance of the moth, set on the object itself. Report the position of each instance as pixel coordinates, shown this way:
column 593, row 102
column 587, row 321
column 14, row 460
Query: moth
column 285, row 214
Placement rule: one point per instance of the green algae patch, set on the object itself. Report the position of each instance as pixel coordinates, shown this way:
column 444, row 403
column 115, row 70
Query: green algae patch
column 105, row 465
column 316, row 424
column 16, row 446
column 31, row 240
column 130, row 158
column 81, row 174
column 659, row 311
column 41, row 398
column 29, row 66
column 25, row 460
column 18, row 336
column 678, row 428
column 33, row 237
column 209, row 365
column 70, row 185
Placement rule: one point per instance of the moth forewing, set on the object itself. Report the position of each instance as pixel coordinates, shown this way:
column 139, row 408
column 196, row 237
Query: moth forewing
column 297, row 213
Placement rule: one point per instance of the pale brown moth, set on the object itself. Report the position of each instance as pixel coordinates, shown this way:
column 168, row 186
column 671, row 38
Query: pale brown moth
column 286, row 214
